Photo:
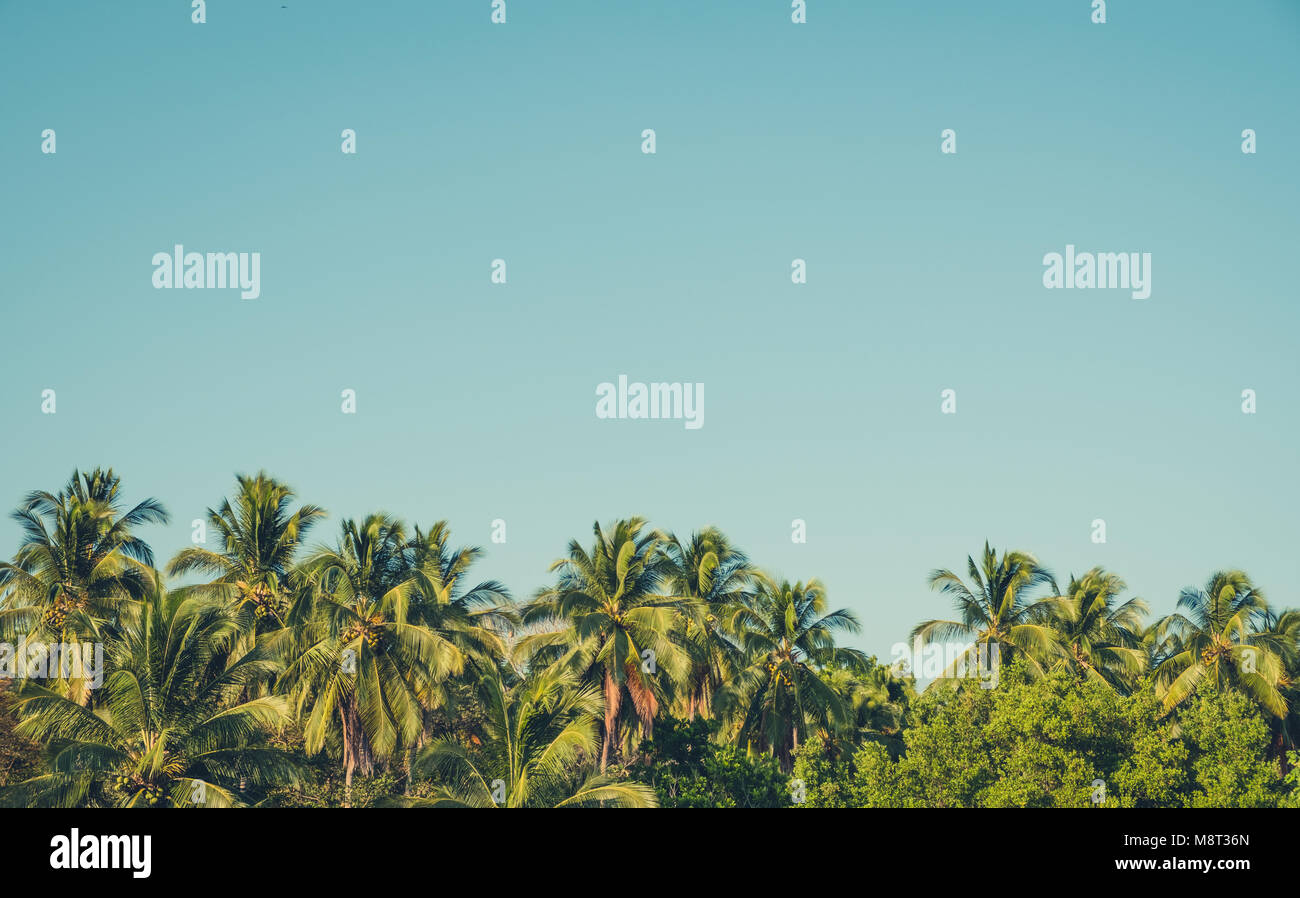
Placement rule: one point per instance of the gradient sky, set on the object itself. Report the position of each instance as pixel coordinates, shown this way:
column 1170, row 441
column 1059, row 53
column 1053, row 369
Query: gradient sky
column 775, row 141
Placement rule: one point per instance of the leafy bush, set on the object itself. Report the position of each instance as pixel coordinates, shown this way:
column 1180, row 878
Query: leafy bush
column 688, row 769
column 1058, row 741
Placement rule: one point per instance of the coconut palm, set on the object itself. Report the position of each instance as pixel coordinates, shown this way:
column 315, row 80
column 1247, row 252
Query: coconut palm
column 1158, row 645
column 714, row 577
column 1222, row 636
column 541, row 739
column 1099, row 635
column 876, row 702
column 1281, row 633
column 258, row 536
column 617, row 628
column 476, row 618
column 358, row 662
column 80, row 569
column 786, row 634
column 170, row 731
column 996, row 609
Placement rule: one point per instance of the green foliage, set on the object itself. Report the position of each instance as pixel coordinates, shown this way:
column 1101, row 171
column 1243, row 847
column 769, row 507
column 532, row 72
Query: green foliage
column 20, row 757
column 688, row 769
column 1055, row 742
column 331, row 791
column 654, row 670
column 1228, row 740
column 1291, row 783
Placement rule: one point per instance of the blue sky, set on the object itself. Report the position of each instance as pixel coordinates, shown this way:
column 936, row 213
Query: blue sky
column 775, row 141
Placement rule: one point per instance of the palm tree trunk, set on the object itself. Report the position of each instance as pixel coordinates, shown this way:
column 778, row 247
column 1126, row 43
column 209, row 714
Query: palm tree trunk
column 349, row 762
column 613, row 700
column 356, row 748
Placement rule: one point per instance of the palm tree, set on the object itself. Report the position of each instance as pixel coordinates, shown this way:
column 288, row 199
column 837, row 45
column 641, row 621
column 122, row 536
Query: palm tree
column 997, row 609
column 1223, row 637
column 714, row 577
column 358, row 660
column 540, row 739
column 257, row 536
column 1158, row 645
column 1281, row 633
column 169, row 732
column 79, row 569
column 786, row 635
column 1102, row 640
column 617, row 628
column 876, row 702
column 475, row 619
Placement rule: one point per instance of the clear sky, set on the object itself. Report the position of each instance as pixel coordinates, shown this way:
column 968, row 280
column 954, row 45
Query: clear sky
column 774, row 142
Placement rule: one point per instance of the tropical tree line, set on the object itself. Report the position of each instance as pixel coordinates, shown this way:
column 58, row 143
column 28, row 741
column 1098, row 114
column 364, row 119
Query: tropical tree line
column 268, row 666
